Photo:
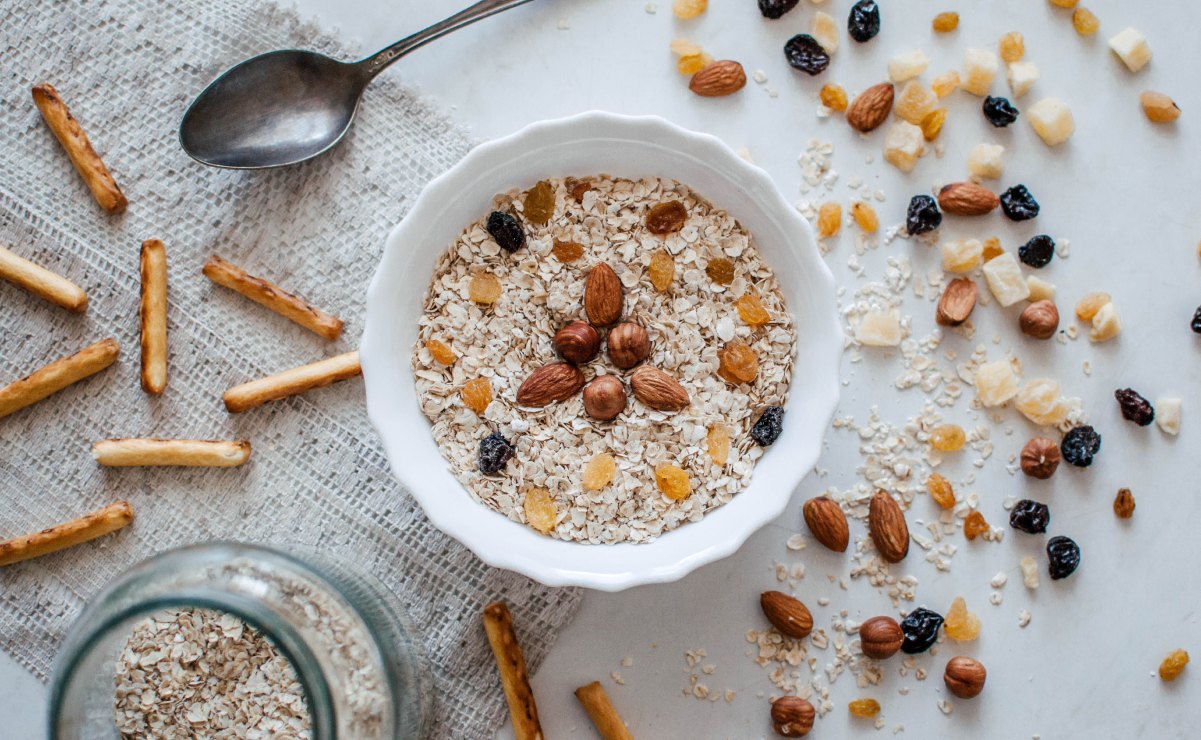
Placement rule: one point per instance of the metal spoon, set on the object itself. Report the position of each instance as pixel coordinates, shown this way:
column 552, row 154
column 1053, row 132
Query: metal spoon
column 287, row 106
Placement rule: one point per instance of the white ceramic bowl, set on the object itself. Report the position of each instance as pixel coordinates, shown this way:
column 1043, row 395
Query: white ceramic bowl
column 589, row 144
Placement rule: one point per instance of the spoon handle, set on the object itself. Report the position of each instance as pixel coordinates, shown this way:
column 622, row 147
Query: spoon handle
column 382, row 59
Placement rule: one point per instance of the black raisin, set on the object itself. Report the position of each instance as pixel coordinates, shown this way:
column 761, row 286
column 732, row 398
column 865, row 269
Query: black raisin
column 920, row 629
column 923, row 215
column 1134, row 407
column 495, row 451
column 1038, row 251
column 804, row 53
column 775, row 8
column 771, row 423
column 1018, row 204
column 506, row 230
column 864, row 21
column 1030, row 516
column 1063, row 557
column 1079, row 445
column 1197, row 321
column 999, row 111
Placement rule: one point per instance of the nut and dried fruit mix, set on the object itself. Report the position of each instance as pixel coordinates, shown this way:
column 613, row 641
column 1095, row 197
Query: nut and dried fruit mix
column 610, row 390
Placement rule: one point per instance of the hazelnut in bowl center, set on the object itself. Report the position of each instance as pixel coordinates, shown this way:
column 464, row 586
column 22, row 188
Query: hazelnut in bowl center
column 602, row 351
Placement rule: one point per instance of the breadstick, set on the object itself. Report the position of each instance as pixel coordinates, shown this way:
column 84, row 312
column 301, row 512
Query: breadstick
column 193, row 453
column 273, row 297
column 152, row 316
column 498, row 624
column 57, row 375
column 89, row 165
column 292, row 382
column 41, row 282
column 600, row 710
column 68, row 534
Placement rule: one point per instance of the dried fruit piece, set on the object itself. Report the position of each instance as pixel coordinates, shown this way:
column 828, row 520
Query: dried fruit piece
column 833, row 97
column 1052, row 120
column 662, row 270
column 1159, row 108
column 941, row 491
column 992, row 248
column 914, row 102
column 1090, row 304
column 577, row 188
column 904, row 144
column 718, row 441
column 932, row 124
column 598, row 472
column 1131, row 47
column 979, row 69
column 960, row 624
column 567, row 251
column 1080, row 445
column 494, row 452
column 962, row 255
column 945, row 84
column 995, row 382
column 804, row 53
column 865, row 217
column 920, row 628
column 1195, row 324
column 720, row 270
column 864, row 707
column 1123, row 504
column 484, row 288
column 1038, row 251
column 1134, row 407
column 1063, row 557
column 441, row 352
column 1018, row 204
column 686, row 9
column 539, row 203
column 923, row 215
column 1030, row 517
column 984, row 161
column 825, row 29
column 1064, row 3
column 751, row 310
column 945, row 22
column 769, row 426
column 506, row 230
column 1005, row 280
column 879, row 329
column 1012, row 46
column 773, row 9
column 693, row 63
column 540, row 512
column 476, row 394
column 1085, row 22
column 1029, row 572
column 684, row 48
column 739, row 363
column 665, row 218
column 1021, row 76
column 947, row 437
column 1173, row 665
column 864, row 21
column 673, row 482
column 829, row 220
column 999, row 111
column 974, row 525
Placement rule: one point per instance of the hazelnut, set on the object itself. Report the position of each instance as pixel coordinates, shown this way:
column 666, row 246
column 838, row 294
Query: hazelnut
column 628, row 345
column 577, row 342
column 964, row 677
column 792, row 716
column 880, row 637
column 1040, row 320
column 604, row 397
column 1040, row 458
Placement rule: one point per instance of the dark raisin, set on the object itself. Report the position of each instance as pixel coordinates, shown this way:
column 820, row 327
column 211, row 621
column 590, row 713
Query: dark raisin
column 1018, row 204
column 1063, row 557
column 775, row 8
column 1038, row 251
column 1134, row 407
column 923, row 215
column 1079, row 445
column 920, row 629
column 506, row 230
column 804, row 53
column 864, row 21
column 771, row 423
column 1197, row 321
column 495, row 451
column 1030, row 516
column 999, row 111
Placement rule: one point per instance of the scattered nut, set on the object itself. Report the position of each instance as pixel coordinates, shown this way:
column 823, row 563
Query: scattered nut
column 658, row 390
column 1040, row 458
column 887, row 527
column 957, row 302
column 550, row 383
column 603, row 295
column 792, row 716
column 718, row 79
column 964, row 677
column 628, row 345
column 827, row 523
column 787, row 614
column 1040, row 320
column 604, row 398
column 871, row 108
column 880, row 637
column 967, row 199
column 577, row 342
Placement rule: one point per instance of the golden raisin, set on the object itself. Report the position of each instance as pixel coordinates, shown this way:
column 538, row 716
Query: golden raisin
column 1159, row 108
column 685, row 9
column 739, row 363
column 577, row 188
column 864, row 707
column 720, row 270
column 1123, row 504
column 974, row 525
column 960, row 624
column 751, row 310
column 945, row 84
column 865, row 217
column 539, row 203
column 540, row 512
column 1012, row 46
column 946, row 22
column 664, row 218
column 598, row 473
column 947, row 437
column 719, row 444
column 940, row 490
column 662, row 270
column 484, row 288
column 476, row 394
column 441, row 352
column 567, row 251
column 673, row 482
column 1173, row 665
column 693, row 63
column 829, row 219
column 992, row 248
column 1085, row 23
column 1090, row 304
column 833, row 97
column 684, row 48
column 932, row 123
column 1065, row 3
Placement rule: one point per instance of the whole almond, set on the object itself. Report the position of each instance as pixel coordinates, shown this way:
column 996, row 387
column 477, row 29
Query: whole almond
column 658, row 390
column 786, row 614
column 603, row 295
column 718, row 79
column 967, row 199
column 792, row 716
column 880, row 638
column 871, row 108
column 886, row 524
column 964, row 677
column 550, row 383
column 957, row 302
column 827, row 523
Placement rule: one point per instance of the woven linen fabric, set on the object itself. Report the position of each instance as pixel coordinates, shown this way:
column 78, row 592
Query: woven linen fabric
column 318, row 475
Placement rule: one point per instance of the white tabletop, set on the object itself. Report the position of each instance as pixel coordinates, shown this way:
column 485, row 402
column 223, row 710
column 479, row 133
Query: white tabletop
column 1122, row 191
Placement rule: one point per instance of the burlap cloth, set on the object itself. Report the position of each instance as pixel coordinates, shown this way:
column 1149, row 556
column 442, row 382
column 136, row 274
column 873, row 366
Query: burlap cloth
column 318, row 475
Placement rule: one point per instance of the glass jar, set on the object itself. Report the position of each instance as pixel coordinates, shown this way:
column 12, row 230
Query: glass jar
column 356, row 658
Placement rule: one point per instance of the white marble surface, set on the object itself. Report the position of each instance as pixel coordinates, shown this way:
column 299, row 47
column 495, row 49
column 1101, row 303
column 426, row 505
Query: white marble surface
column 1122, row 191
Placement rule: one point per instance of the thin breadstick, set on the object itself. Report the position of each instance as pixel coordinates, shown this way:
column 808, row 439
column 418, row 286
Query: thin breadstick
column 600, row 710
column 57, row 375
column 41, row 282
column 292, row 382
column 87, row 162
column 68, row 534
column 193, row 453
column 273, row 297
column 152, row 316
column 498, row 624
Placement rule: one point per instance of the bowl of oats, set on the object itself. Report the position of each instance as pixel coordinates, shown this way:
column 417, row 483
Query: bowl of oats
column 602, row 351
